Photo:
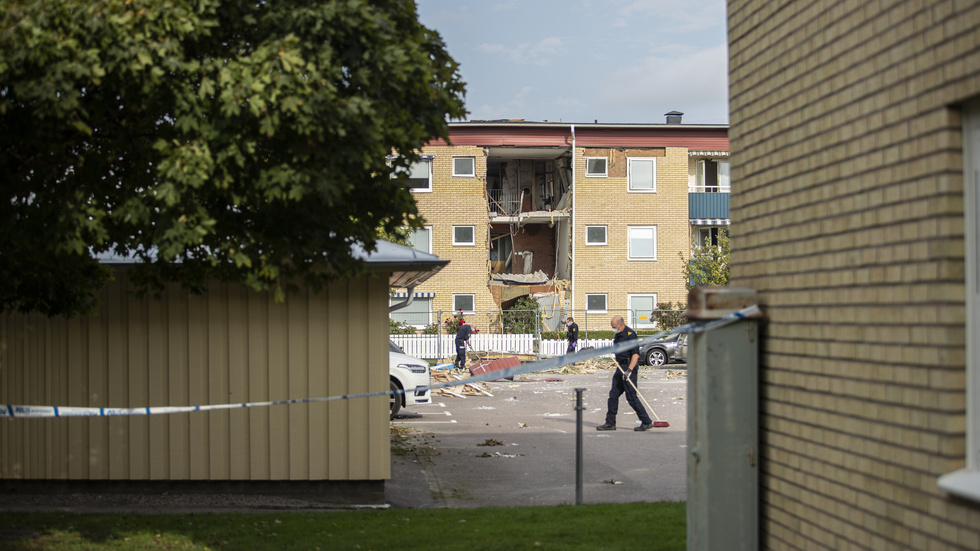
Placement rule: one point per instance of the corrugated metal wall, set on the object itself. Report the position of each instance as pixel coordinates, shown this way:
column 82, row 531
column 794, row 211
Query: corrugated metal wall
column 230, row 346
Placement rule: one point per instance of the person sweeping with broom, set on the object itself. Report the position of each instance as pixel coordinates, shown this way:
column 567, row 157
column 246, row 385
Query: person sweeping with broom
column 627, row 373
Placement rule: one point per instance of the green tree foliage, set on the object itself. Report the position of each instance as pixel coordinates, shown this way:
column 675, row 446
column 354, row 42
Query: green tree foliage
column 522, row 317
column 668, row 315
column 709, row 264
column 238, row 141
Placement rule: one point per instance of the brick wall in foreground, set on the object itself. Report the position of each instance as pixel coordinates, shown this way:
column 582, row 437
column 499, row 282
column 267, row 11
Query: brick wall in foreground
column 846, row 151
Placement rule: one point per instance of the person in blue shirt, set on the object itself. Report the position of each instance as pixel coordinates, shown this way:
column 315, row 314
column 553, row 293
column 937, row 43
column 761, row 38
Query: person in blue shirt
column 462, row 339
column 628, row 361
column 572, row 335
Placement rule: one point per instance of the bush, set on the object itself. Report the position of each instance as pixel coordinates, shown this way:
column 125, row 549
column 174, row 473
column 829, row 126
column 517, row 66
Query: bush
column 522, row 317
column 453, row 324
column 398, row 327
column 669, row 316
column 431, row 329
column 603, row 334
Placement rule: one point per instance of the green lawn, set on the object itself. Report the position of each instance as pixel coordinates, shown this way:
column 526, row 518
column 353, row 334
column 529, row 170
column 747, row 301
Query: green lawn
column 647, row 526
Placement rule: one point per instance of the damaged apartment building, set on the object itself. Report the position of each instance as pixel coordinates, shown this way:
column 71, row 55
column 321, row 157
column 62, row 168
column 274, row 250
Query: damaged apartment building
column 589, row 219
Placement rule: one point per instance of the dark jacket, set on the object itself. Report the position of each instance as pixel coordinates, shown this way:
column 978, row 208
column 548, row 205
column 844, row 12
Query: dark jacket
column 572, row 332
column 463, row 333
column 627, row 334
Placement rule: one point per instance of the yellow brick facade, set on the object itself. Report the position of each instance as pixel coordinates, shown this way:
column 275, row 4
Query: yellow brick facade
column 607, row 201
column 454, row 201
column 848, row 203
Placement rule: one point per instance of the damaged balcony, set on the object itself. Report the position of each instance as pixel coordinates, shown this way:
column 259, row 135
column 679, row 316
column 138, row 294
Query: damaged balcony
column 528, row 185
column 529, row 200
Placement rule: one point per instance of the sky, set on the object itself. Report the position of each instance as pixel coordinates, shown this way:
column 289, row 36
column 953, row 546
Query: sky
column 615, row 61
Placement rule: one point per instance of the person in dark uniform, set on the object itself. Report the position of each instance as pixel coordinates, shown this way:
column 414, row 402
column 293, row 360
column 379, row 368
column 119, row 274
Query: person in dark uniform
column 572, row 335
column 628, row 361
column 462, row 339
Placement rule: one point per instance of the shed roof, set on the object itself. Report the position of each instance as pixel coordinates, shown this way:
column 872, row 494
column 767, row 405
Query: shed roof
column 408, row 266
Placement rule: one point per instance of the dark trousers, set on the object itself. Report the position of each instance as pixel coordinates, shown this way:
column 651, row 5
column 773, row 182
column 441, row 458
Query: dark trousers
column 571, row 347
column 619, row 386
column 460, row 361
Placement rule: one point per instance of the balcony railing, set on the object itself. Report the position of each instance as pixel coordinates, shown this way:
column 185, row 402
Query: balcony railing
column 694, row 188
column 503, row 205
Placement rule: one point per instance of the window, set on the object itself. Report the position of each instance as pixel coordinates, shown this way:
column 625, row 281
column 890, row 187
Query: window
column 464, row 235
column 713, row 176
column 419, row 175
column 421, row 240
column 596, row 167
column 642, row 174
column 965, row 482
column 706, row 236
column 595, row 303
column 417, row 314
column 643, row 243
column 595, row 235
column 641, row 311
column 464, row 166
column 464, row 303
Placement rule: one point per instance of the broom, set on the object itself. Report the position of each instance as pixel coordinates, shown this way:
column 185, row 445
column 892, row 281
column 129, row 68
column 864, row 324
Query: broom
column 658, row 423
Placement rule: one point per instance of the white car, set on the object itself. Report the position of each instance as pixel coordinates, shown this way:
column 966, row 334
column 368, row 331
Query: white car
column 409, row 374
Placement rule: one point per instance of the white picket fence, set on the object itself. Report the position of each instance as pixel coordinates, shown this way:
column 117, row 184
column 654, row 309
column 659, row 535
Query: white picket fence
column 442, row 346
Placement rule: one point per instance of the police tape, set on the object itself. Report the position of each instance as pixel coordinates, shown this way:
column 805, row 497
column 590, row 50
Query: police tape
column 35, row 412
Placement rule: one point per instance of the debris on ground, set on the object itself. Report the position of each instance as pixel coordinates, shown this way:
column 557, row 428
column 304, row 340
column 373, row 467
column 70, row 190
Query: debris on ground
column 497, row 454
column 461, row 390
column 675, row 374
column 585, row 367
column 613, row 481
column 491, row 442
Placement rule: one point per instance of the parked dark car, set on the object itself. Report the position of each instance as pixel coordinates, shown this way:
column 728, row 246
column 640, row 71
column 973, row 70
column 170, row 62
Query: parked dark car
column 672, row 348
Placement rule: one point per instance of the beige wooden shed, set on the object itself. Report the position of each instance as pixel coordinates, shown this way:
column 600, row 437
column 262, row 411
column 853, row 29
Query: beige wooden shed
column 231, row 345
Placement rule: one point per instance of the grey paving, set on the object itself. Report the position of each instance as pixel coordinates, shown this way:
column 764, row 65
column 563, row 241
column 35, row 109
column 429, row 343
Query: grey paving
column 535, row 422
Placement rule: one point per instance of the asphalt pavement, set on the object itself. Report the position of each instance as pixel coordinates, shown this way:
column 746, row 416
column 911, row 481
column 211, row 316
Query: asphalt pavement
column 517, row 447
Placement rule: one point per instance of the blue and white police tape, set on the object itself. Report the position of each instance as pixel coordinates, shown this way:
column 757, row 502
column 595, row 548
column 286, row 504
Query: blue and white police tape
column 15, row 411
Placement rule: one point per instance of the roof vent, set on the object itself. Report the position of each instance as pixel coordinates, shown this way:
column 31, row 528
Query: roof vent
column 674, row 117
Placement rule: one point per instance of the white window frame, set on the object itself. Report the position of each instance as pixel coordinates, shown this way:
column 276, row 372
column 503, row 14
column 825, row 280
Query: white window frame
column 636, row 322
column 427, row 159
column 965, row 483
column 428, row 300
column 463, row 174
column 603, row 174
column 629, row 175
column 605, row 236
column 428, row 230
column 700, row 170
column 629, row 244
column 464, row 243
column 472, row 298
column 605, row 298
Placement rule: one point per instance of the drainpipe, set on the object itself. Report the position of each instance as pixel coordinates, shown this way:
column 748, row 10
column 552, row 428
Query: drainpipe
column 400, row 305
column 572, row 223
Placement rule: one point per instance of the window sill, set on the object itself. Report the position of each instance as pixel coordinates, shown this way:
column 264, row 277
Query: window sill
column 631, row 190
column 964, row 483
column 420, row 190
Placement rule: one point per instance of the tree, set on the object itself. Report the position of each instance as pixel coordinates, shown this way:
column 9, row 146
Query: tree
column 523, row 316
column 237, row 141
column 709, row 264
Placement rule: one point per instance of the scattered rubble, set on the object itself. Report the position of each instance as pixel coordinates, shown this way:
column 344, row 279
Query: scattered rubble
column 461, row 390
column 491, row 442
